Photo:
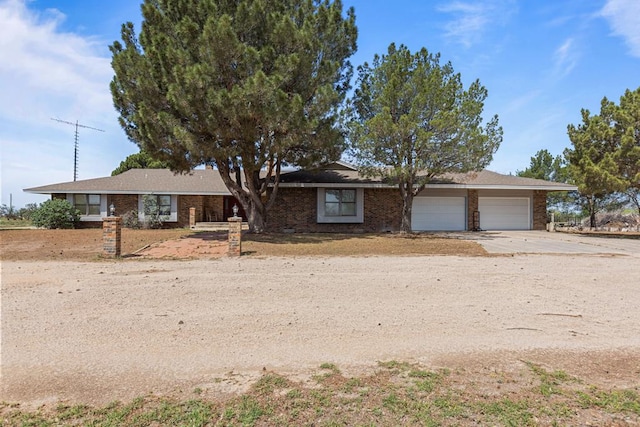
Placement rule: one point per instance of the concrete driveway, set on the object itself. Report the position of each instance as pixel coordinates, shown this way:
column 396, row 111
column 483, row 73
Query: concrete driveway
column 542, row 242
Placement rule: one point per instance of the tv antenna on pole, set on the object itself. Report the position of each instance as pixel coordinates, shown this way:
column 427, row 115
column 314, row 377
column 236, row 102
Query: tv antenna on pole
column 75, row 150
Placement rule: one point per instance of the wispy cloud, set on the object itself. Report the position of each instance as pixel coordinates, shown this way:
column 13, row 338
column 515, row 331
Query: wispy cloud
column 566, row 57
column 471, row 19
column 624, row 20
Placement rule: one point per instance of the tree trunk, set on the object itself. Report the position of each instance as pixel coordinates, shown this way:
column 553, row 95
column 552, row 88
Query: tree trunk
column 256, row 217
column 407, row 203
column 592, row 213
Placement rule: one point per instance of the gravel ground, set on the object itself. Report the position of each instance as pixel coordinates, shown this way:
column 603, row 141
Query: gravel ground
column 98, row 332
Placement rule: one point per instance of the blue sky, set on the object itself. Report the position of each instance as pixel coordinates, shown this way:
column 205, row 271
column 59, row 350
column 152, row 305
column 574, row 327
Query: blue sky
column 541, row 61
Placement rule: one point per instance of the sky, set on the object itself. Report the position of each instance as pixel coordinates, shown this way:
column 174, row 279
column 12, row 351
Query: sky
column 542, row 61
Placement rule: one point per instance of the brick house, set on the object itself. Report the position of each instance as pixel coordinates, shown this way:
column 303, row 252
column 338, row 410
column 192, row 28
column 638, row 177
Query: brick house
column 335, row 198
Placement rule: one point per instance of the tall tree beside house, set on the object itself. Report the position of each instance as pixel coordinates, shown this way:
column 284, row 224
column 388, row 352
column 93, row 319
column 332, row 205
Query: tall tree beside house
column 411, row 119
column 605, row 157
column 248, row 86
column 141, row 160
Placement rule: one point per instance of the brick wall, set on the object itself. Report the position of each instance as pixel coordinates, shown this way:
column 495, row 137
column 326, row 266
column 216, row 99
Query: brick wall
column 472, row 206
column 123, row 203
column 539, row 210
column 296, row 209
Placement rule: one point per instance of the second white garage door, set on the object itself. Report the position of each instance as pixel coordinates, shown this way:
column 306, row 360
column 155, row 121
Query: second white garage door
column 438, row 214
column 504, row 213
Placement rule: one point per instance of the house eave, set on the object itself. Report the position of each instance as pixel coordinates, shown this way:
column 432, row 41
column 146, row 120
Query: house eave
column 434, row 186
column 136, row 192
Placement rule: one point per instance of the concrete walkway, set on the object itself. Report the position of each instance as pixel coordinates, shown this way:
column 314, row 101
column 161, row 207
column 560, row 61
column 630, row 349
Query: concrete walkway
column 505, row 242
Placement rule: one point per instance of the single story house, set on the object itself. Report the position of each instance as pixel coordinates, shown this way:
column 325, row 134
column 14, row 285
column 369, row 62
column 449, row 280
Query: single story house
column 335, row 198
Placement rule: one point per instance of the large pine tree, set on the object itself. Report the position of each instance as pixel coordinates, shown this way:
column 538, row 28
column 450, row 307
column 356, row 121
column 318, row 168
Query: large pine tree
column 411, row 119
column 246, row 85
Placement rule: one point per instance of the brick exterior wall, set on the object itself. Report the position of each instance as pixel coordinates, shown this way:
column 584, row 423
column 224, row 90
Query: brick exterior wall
column 539, row 210
column 296, row 209
column 124, row 203
column 472, row 206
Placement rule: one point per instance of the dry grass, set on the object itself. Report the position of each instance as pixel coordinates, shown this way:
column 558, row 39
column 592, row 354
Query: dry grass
column 86, row 244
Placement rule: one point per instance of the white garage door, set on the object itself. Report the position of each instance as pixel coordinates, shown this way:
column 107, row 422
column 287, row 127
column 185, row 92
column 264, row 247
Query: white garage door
column 504, row 213
column 438, row 214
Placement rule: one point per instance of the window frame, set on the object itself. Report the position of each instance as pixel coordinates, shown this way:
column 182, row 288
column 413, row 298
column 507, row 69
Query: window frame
column 172, row 216
column 327, row 218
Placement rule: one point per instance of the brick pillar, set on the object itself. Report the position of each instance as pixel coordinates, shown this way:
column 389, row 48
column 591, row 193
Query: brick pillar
column 192, row 218
column 111, row 236
column 472, row 206
column 235, row 236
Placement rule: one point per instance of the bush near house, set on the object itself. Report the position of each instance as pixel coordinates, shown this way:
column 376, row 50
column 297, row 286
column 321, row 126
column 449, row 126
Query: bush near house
column 55, row 213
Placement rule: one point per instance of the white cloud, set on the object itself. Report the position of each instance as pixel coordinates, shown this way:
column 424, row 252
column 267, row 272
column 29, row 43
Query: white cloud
column 46, row 72
column 36, row 58
column 624, row 20
column 471, row 19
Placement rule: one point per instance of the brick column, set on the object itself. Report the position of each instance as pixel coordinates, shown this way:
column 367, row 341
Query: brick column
column 235, row 236
column 192, row 218
column 472, row 206
column 111, row 236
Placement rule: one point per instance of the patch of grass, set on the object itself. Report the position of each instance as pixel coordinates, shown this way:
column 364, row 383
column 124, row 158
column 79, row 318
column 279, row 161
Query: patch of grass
column 615, row 401
column 549, row 381
column 14, row 223
column 397, row 393
column 509, row 412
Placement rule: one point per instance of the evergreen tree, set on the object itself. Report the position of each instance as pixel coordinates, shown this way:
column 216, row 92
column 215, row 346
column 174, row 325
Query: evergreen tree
column 141, row 160
column 245, row 85
column 544, row 166
column 411, row 119
column 605, row 158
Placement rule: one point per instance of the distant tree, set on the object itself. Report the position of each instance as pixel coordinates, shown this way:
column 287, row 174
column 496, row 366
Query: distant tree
column 605, row 158
column 544, row 166
column 141, row 160
column 27, row 211
column 410, row 119
column 8, row 212
column 247, row 85
column 56, row 213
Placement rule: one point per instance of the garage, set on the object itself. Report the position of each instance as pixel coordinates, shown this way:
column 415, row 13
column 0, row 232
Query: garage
column 438, row 214
column 504, row 213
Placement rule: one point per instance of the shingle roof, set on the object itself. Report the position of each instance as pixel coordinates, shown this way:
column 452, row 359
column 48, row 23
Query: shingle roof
column 144, row 181
column 208, row 182
column 482, row 179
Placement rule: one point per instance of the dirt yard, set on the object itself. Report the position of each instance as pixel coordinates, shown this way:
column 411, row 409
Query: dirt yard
column 95, row 332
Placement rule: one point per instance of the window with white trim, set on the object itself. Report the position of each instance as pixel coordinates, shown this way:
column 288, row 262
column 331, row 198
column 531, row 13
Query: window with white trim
column 340, row 202
column 161, row 202
column 87, row 204
column 340, row 205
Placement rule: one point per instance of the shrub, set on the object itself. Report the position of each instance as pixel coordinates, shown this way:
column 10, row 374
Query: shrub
column 130, row 220
column 56, row 213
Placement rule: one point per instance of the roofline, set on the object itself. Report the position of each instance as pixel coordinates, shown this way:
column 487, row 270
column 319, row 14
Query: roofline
column 179, row 193
column 448, row 186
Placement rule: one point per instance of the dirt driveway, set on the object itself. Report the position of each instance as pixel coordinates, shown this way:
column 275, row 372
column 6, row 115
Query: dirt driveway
column 95, row 332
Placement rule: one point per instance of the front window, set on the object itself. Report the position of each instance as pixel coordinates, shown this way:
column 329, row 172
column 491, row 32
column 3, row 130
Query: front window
column 157, row 204
column 87, row 204
column 340, row 202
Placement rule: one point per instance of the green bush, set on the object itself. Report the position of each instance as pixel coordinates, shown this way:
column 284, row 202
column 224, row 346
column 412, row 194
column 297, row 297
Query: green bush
column 130, row 220
column 56, row 213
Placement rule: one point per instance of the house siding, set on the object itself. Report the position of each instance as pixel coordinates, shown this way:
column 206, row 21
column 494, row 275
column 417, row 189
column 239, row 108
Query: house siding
column 472, row 206
column 539, row 210
column 295, row 209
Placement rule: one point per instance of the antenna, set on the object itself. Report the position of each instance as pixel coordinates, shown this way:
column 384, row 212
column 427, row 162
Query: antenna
column 75, row 151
